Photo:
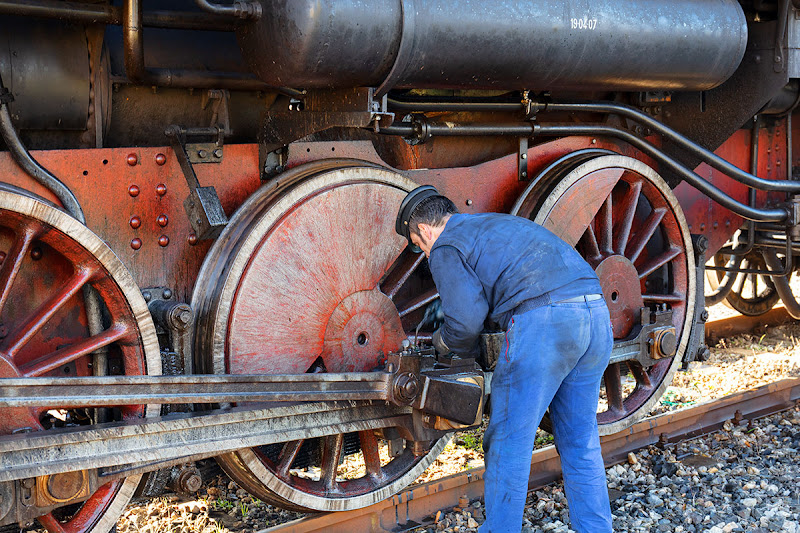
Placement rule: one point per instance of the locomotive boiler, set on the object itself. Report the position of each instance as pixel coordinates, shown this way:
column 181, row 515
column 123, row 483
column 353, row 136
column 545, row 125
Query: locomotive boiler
column 197, row 199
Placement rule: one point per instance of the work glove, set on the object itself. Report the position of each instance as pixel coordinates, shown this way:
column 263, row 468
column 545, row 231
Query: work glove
column 433, row 314
column 438, row 344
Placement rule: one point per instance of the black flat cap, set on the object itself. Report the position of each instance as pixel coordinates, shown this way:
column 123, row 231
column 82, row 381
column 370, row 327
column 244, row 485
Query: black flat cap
column 410, row 202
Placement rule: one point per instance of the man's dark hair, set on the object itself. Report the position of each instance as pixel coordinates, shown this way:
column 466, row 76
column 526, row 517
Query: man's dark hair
column 431, row 211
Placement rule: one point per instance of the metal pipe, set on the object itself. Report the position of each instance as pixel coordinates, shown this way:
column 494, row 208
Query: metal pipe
column 423, row 130
column 26, row 162
column 240, row 9
column 668, row 133
column 106, row 14
column 745, row 211
column 133, row 41
column 626, row 111
column 136, row 72
column 782, row 282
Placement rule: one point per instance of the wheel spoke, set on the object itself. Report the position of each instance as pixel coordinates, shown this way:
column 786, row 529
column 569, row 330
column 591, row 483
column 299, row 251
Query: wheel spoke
column 642, row 237
column 330, row 460
column 372, row 458
column 657, row 262
column 641, row 376
column 606, row 226
column 613, row 383
column 288, row 455
column 628, row 210
column 65, row 355
column 418, row 302
column 405, row 265
column 590, row 246
column 26, row 331
column 675, row 297
column 13, row 261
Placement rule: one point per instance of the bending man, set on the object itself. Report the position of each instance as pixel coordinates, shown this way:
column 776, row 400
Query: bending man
column 557, row 344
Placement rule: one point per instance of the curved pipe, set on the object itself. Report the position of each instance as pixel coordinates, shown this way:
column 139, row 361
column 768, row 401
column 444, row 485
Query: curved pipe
column 239, row 9
column 623, row 110
column 27, row 163
column 105, row 14
column 707, row 156
column 425, row 130
column 782, row 283
column 710, row 190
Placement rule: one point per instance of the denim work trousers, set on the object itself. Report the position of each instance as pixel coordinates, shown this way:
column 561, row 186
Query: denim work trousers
column 554, row 356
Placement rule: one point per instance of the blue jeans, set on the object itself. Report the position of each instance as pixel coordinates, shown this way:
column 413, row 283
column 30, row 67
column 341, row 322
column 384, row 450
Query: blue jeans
column 554, row 356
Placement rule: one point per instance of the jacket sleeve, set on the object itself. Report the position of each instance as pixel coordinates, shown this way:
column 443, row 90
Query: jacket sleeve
column 463, row 301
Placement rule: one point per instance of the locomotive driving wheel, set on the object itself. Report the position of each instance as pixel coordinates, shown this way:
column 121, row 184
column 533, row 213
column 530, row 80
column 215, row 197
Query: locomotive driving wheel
column 310, row 276
column 625, row 221
column 750, row 294
column 47, row 261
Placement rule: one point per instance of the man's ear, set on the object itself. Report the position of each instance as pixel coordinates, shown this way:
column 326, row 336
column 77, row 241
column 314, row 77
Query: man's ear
column 426, row 232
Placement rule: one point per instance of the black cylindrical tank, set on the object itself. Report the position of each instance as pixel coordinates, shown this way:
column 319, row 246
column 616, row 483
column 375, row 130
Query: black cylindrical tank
column 497, row 44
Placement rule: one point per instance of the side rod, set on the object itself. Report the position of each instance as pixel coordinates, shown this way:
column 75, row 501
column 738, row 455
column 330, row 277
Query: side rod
column 132, row 390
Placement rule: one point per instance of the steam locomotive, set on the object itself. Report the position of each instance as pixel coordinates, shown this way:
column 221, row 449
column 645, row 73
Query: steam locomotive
column 197, row 252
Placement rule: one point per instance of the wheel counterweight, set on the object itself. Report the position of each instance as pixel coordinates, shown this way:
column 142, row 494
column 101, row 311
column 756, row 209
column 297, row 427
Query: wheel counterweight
column 48, row 260
column 625, row 221
column 310, row 276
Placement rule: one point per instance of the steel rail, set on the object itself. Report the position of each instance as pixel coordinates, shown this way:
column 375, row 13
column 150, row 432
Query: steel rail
column 413, row 507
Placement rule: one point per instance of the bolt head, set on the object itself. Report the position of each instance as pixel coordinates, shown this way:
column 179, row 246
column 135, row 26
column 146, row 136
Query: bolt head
column 161, row 189
column 163, row 241
column 161, row 159
column 132, row 159
column 133, row 190
column 136, row 243
column 166, row 294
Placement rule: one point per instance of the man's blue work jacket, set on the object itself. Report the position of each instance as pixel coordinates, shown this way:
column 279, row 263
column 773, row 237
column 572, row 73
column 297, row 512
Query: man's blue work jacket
column 488, row 264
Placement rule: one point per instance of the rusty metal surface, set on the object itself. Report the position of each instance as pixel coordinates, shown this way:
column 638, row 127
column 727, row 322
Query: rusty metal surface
column 416, row 505
column 124, row 191
column 47, row 257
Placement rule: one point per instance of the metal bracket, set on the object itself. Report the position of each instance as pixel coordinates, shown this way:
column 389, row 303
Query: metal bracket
column 696, row 349
column 202, row 205
column 522, row 159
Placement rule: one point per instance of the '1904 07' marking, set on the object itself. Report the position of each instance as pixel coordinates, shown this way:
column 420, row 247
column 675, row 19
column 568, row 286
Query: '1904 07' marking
column 583, row 24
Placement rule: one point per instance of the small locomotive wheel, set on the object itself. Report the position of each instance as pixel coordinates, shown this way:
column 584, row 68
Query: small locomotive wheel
column 310, row 276
column 750, row 294
column 48, row 260
column 625, row 221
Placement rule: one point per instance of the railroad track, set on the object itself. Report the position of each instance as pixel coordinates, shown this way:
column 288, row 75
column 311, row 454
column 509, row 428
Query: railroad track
column 414, row 507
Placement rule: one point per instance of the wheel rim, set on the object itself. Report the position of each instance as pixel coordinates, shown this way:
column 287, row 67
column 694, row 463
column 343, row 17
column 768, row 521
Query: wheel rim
column 328, row 311
column 47, row 259
column 626, row 222
column 750, row 294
